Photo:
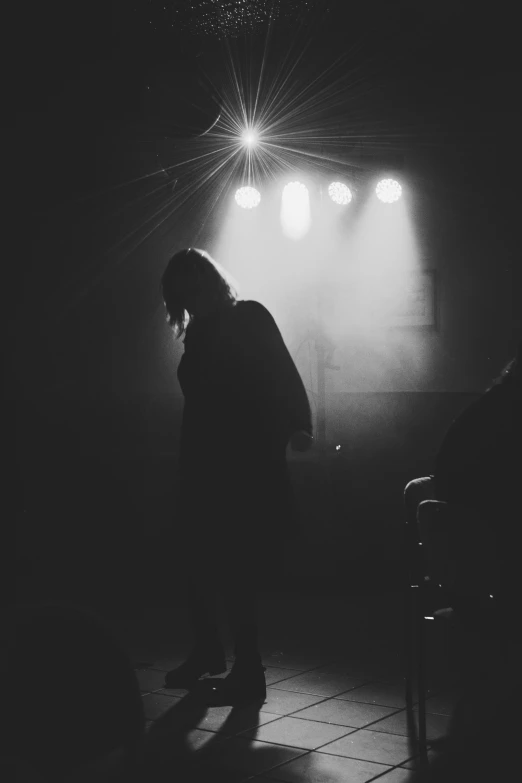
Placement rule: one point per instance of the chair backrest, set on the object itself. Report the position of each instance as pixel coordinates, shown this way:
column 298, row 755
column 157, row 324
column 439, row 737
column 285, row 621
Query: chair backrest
column 459, row 547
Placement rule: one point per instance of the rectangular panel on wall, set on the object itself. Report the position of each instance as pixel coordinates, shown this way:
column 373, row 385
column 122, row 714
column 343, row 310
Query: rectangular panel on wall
column 418, row 303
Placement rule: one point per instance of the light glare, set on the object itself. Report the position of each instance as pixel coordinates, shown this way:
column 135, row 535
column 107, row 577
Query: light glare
column 247, row 197
column 339, row 192
column 388, row 190
column 250, row 137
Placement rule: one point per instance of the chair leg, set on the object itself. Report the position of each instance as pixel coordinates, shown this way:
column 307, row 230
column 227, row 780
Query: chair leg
column 409, row 641
column 421, row 676
column 410, row 553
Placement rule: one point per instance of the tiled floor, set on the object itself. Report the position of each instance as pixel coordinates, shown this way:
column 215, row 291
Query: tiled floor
column 335, row 708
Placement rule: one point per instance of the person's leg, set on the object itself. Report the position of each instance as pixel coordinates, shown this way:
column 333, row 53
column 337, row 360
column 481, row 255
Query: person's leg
column 201, row 604
column 246, row 681
column 240, row 591
column 197, row 568
column 207, row 654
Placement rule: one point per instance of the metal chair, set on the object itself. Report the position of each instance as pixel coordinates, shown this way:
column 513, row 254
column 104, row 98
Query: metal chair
column 448, row 553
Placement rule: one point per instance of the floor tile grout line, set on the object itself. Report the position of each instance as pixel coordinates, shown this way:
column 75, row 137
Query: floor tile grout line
column 356, row 758
column 349, row 701
column 321, row 696
column 276, row 717
column 307, row 693
column 381, row 774
column 323, row 700
column 308, row 751
column 395, row 710
column 294, row 714
column 318, row 749
column 305, row 752
column 388, row 767
column 326, row 723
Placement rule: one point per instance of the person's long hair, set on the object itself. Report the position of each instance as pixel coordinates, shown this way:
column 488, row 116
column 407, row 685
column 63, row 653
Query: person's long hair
column 192, row 266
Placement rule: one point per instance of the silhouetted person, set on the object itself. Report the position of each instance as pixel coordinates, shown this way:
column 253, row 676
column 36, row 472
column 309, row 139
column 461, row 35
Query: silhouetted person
column 478, row 467
column 244, row 402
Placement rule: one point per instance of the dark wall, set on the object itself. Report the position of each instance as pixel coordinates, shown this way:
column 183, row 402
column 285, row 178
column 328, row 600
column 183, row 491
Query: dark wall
column 464, row 212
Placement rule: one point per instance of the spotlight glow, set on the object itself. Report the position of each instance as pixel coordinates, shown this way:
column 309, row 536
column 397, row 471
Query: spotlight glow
column 295, row 191
column 339, row 192
column 295, row 210
column 388, row 190
column 247, row 197
column 250, row 137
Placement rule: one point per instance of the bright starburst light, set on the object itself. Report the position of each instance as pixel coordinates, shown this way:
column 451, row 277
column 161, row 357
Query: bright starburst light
column 250, row 137
column 277, row 115
column 388, row 190
column 311, row 106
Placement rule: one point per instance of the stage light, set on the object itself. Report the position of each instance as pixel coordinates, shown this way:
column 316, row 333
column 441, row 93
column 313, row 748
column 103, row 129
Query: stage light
column 339, row 192
column 247, row 197
column 388, row 190
column 295, row 210
column 250, row 137
column 295, row 193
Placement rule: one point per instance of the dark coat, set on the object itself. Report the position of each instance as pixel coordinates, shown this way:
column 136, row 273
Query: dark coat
column 243, row 400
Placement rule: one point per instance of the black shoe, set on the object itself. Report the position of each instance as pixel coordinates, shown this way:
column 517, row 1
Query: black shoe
column 197, row 664
column 244, row 685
